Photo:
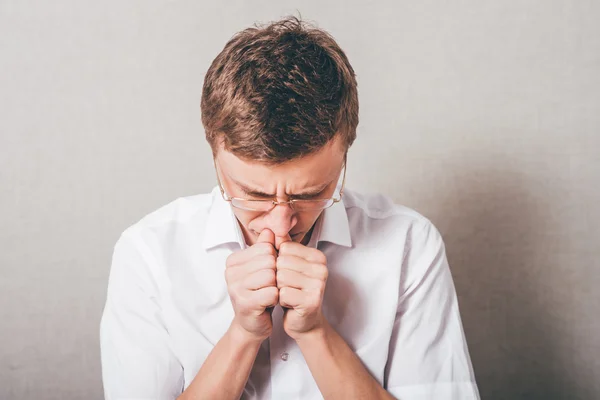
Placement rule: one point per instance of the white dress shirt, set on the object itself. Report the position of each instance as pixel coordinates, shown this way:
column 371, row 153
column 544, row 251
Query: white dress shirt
column 389, row 294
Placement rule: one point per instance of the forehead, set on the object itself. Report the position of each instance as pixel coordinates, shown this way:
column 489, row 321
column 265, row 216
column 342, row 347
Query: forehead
column 311, row 170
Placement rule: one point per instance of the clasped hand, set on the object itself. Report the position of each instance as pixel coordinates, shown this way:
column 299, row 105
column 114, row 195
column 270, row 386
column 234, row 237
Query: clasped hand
column 260, row 277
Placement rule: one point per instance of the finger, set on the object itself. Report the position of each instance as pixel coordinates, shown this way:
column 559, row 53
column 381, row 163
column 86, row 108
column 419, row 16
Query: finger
column 266, row 236
column 291, row 298
column 242, row 256
column 301, row 265
column 260, row 279
column 279, row 240
column 296, row 280
column 299, row 250
column 265, row 297
column 240, row 271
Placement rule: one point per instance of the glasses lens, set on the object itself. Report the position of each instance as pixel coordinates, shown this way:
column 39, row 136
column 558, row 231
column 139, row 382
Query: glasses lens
column 311, row 205
column 252, row 205
column 267, row 205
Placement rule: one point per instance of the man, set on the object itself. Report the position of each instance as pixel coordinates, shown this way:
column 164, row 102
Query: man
column 280, row 284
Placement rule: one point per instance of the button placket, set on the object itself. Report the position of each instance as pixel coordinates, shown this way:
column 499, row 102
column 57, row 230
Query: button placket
column 284, row 361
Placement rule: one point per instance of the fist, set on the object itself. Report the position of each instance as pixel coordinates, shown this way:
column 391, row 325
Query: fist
column 301, row 278
column 252, row 286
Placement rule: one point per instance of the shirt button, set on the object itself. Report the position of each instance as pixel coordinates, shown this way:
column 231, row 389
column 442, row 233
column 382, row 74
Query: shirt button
column 285, row 356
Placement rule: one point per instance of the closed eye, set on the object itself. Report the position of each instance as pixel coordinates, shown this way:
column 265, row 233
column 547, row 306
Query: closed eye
column 255, row 194
column 309, row 196
column 258, row 195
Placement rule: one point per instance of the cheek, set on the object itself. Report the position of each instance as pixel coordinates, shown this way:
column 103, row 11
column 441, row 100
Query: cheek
column 307, row 219
column 247, row 218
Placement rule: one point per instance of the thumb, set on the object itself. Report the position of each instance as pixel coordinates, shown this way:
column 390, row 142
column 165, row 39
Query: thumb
column 279, row 240
column 266, row 236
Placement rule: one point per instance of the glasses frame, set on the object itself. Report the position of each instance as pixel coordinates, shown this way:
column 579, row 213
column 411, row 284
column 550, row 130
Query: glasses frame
column 276, row 203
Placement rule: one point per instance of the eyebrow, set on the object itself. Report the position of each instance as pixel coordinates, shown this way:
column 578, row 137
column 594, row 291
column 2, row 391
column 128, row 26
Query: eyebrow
column 313, row 192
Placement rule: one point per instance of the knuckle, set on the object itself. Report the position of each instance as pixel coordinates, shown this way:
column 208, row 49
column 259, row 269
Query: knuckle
column 324, row 274
column 280, row 275
column 320, row 257
column 272, row 251
column 261, row 247
column 283, row 247
column 280, row 260
column 274, row 296
column 230, row 259
column 313, row 303
column 270, row 261
column 265, row 248
column 321, row 292
column 271, row 276
column 267, row 298
column 320, row 271
column 233, row 257
column 266, row 261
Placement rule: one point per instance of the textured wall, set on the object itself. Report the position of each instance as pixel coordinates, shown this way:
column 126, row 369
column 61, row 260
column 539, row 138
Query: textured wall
column 484, row 116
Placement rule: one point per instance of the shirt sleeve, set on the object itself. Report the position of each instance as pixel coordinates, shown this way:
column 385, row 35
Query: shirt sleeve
column 137, row 361
column 428, row 355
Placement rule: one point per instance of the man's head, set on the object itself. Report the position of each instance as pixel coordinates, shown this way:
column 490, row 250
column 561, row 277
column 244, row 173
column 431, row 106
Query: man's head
column 280, row 110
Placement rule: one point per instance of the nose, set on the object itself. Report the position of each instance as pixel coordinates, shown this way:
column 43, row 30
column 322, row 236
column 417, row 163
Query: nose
column 281, row 219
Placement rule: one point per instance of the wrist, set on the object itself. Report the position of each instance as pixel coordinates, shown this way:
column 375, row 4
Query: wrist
column 241, row 336
column 318, row 334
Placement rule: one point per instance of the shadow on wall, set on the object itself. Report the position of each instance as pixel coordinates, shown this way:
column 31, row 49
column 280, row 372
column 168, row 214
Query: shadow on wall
column 501, row 238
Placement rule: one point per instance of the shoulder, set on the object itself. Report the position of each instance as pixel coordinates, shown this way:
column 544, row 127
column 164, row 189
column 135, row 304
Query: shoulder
column 142, row 248
column 381, row 210
column 180, row 213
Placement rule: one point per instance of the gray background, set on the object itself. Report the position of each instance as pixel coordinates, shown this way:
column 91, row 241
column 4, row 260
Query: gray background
column 484, row 116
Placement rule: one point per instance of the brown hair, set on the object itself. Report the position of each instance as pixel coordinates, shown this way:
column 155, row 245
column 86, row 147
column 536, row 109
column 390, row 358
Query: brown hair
column 279, row 92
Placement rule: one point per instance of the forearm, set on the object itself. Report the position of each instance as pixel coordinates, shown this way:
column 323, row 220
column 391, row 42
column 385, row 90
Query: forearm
column 226, row 369
column 338, row 372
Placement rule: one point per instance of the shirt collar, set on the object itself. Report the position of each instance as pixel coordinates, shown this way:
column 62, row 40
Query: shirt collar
column 222, row 226
column 334, row 226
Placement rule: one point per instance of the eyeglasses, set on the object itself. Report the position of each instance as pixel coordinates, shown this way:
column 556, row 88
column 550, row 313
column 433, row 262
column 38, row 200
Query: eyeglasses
column 295, row 204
